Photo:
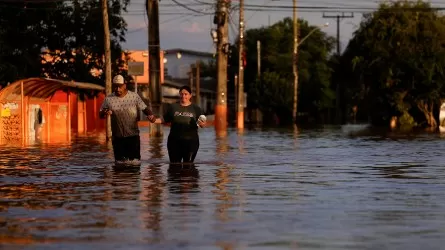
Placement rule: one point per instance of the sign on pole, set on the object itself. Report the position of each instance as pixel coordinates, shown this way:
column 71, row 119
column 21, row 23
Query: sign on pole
column 136, row 68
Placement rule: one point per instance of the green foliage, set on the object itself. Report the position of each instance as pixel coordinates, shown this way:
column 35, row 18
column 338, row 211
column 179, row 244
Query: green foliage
column 407, row 121
column 208, row 69
column 272, row 93
column 396, row 58
column 22, row 28
column 71, row 31
column 315, row 94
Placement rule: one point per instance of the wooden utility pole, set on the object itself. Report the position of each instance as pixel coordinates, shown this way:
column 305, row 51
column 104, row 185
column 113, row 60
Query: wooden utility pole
column 107, row 61
column 154, row 60
column 240, row 99
column 221, row 20
column 198, row 86
column 338, row 113
column 295, row 62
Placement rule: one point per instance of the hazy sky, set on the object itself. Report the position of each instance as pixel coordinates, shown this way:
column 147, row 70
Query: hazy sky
column 182, row 28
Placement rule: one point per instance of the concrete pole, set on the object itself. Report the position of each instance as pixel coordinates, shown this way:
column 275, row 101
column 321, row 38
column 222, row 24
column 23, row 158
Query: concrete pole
column 240, row 99
column 223, row 42
column 295, row 62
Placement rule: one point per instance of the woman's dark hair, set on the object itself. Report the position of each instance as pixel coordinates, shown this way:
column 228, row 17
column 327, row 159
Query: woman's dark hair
column 186, row 88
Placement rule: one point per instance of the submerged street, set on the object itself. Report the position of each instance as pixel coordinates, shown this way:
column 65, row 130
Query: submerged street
column 263, row 189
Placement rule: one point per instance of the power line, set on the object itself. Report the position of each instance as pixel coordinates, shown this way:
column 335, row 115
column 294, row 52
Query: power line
column 335, row 7
column 186, row 7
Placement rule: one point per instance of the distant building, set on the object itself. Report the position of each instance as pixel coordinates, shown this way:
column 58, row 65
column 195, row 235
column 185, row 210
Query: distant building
column 179, row 61
column 177, row 67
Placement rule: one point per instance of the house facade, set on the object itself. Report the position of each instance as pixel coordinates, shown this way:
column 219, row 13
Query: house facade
column 178, row 62
column 48, row 110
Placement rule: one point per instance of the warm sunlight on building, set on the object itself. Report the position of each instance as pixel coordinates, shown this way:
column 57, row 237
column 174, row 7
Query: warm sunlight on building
column 53, row 57
column 142, row 56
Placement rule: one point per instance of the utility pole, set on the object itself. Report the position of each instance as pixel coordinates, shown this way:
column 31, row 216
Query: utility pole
column 198, row 79
column 295, row 62
column 191, row 77
column 154, row 60
column 240, row 99
column 258, row 51
column 236, row 92
column 338, row 19
column 222, row 47
column 107, row 61
column 338, row 113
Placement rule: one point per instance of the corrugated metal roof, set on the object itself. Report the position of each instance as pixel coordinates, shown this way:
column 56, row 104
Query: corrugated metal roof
column 44, row 88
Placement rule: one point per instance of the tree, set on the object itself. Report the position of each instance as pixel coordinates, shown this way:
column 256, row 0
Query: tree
column 22, row 30
column 315, row 94
column 272, row 94
column 67, row 34
column 397, row 57
column 208, row 69
column 83, row 41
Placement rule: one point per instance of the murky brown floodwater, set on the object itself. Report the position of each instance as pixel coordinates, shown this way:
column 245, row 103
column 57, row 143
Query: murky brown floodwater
column 265, row 189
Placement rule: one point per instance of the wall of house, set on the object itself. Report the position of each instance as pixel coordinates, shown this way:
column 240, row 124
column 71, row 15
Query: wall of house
column 142, row 56
column 52, row 127
column 55, row 127
column 94, row 122
column 179, row 67
column 47, row 121
column 10, row 122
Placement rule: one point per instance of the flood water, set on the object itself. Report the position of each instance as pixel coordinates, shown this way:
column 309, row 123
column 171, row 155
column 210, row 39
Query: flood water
column 262, row 189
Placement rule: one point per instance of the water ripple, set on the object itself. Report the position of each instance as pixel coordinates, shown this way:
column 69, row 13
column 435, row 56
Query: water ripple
column 318, row 188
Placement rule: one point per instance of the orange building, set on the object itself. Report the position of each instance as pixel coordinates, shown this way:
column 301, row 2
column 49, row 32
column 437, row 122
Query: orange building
column 48, row 110
column 142, row 56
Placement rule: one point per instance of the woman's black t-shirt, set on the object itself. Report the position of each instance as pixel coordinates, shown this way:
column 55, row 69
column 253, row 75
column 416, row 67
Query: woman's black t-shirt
column 183, row 120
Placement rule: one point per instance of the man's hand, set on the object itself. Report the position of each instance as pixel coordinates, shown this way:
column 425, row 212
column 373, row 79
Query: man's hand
column 105, row 112
column 151, row 118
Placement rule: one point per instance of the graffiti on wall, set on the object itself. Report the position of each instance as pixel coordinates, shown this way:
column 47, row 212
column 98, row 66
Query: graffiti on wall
column 61, row 112
column 7, row 107
column 10, row 122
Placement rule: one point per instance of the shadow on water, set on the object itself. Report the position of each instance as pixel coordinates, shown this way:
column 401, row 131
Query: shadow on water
column 409, row 171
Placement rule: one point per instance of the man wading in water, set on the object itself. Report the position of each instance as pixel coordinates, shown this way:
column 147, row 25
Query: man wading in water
column 123, row 106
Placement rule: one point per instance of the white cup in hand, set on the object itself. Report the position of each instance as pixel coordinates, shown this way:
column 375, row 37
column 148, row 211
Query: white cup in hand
column 201, row 118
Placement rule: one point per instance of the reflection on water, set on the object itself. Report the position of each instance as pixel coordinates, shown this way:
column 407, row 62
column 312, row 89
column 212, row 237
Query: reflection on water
column 321, row 188
column 183, row 179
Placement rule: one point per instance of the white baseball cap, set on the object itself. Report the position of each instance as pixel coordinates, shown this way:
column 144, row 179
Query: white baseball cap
column 118, row 79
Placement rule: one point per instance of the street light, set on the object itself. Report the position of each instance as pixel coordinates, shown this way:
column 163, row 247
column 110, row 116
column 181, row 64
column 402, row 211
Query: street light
column 312, row 31
column 295, row 64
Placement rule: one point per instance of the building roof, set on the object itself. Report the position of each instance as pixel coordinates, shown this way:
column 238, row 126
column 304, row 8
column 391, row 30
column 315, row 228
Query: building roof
column 188, row 52
column 206, row 86
column 44, row 88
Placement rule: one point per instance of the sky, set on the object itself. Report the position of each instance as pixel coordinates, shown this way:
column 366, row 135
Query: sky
column 183, row 28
